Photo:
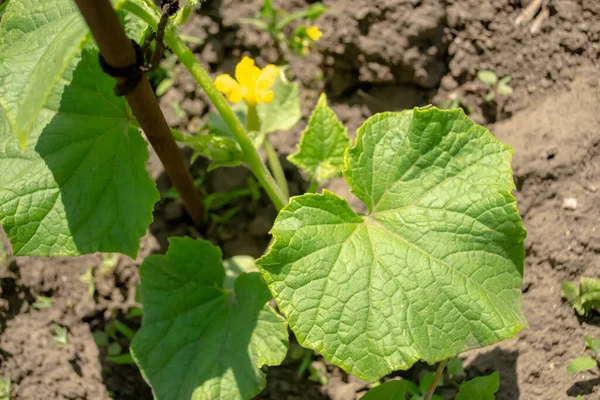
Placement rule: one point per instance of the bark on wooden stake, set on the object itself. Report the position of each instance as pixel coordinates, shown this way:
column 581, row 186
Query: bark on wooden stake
column 119, row 52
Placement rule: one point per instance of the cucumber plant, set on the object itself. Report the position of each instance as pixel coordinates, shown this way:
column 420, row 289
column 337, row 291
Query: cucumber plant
column 432, row 269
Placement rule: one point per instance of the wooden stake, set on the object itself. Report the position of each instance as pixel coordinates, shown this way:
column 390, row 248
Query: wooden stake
column 119, row 52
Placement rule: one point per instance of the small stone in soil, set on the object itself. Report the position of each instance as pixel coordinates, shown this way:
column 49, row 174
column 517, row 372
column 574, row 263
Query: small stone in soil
column 570, row 204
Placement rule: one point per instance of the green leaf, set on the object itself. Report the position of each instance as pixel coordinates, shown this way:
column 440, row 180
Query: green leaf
column 569, row 291
column 391, row 390
column 283, row 112
column 217, row 126
column 268, row 12
column 433, row 270
column 42, row 302
column 582, row 363
column 589, row 285
column 313, row 11
column 488, row 77
column 222, row 151
column 455, row 366
column 323, row 144
column 505, row 81
column 114, row 349
column 100, row 338
column 480, row 388
column 586, row 297
column 81, row 185
column 5, row 388
column 197, row 340
column 593, row 344
column 504, row 89
column 38, row 42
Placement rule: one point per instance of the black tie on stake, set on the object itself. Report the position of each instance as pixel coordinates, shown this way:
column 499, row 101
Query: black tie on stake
column 132, row 74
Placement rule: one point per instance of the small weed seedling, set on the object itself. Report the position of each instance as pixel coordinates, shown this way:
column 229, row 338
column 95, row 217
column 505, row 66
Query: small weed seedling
column 111, row 338
column 316, row 373
column 496, row 87
column 585, row 363
column 109, row 263
column 481, row 387
column 5, row 388
column 585, row 298
column 60, row 335
column 90, row 280
column 42, row 302
column 275, row 22
column 433, row 268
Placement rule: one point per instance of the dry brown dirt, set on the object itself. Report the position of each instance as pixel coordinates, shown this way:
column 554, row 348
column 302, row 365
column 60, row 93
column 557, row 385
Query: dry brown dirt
column 374, row 56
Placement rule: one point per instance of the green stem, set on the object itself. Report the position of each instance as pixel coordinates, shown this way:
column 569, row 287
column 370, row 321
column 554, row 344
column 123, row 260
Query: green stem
column 149, row 16
column 251, row 156
column 436, row 377
column 304, row 364
column 314, row 185
column 253, row 125
column 290, row 18
column 276, row 168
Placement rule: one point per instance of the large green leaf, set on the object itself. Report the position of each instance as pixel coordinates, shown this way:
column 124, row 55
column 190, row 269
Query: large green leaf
column 198, row 340
column 80, row 186
column 321, row 149
column 480, row 388
column 434, row 269
column 38, row 42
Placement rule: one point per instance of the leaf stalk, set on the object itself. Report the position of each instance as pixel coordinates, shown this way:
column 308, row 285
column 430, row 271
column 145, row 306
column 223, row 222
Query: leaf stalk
column 438, row 373
column 253, row 125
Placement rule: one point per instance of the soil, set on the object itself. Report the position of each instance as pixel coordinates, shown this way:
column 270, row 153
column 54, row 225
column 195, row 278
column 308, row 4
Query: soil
column 373, row 56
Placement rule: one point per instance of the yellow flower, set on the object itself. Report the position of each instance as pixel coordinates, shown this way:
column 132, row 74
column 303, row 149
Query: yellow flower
column 251, row 83
column 314, row 33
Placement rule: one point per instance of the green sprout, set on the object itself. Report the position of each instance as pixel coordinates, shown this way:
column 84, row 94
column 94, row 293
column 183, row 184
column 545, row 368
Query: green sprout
column 585, row 298
column 5, row 388
column 496, row 86
column 60, row 335
column 585, row 363
column 109, row 339
column 42, row 302
column 89, row 279
column 275, row 22
column 109, row 262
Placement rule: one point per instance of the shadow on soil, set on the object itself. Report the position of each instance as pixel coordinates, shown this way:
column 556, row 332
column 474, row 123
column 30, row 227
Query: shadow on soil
column 505, row 362
column 122, row 380
column 583, row 388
